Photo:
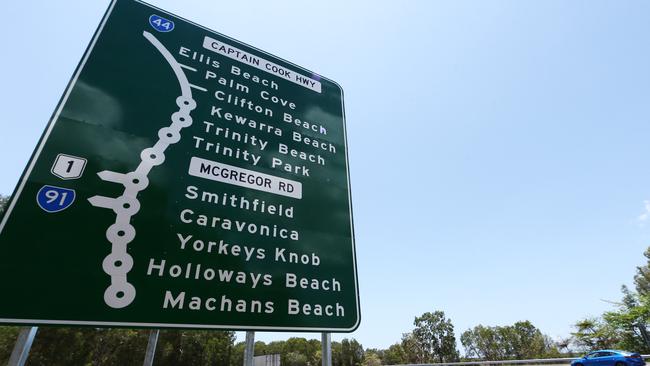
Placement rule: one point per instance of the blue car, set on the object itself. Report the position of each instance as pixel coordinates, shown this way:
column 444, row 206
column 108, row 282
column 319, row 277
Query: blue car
column 609, row 357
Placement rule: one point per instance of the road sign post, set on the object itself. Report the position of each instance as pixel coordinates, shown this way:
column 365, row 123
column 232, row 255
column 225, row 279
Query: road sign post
column 22, row 347
column 326, row 349
column 249, row 351
column 150, row 353
column 185, row 180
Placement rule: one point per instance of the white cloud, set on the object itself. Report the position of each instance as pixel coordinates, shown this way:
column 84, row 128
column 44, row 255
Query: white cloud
column 646, row 214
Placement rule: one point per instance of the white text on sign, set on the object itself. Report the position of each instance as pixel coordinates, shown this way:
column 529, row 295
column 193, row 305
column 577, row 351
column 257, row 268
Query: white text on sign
column 261, row 64
column 225, row 173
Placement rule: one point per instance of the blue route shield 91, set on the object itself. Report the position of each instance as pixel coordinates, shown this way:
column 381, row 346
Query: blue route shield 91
column 54, row 199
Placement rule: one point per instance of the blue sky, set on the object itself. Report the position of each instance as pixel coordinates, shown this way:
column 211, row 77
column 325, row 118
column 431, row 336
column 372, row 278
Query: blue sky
column 498, row 149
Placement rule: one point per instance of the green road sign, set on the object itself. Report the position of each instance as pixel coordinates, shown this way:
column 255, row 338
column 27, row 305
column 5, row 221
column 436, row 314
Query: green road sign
column 185, row 180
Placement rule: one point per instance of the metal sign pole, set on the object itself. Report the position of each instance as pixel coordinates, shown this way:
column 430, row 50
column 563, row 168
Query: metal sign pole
column 22, row 347
column 326, row 348
column 249, row 352
column 151, row 347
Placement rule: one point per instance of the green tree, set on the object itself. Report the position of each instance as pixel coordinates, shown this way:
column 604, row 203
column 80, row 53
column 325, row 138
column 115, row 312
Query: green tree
column 371, row 359
column 521, row 340
column 394, row 355
column 593, row 333
column 88, row 346
column 434, row 338
column 4, row 201
column 293, row 350
column 528, row 342
column 261, row 348
column 219, row 348
column 192, row 347
column 347, row 353
column 482, row 342
column 642, row 277
column 274, row 348
column 630, row 321
column 295, row 359
column 58, row 346
column 372, row 351
column 308, row 348
column 106, row 346
column 413, row 353
column 237, row 358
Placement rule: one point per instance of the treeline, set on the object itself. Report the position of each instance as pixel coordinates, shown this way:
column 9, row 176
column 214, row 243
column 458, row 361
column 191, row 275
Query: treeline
column 431, row 340
column 90, row 346
column 519, row 341
column 62, row 346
